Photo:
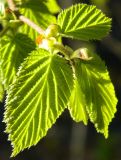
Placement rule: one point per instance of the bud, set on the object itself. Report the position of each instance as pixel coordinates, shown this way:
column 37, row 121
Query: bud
column 81, row 53
column 52, row 31
column 47, row 43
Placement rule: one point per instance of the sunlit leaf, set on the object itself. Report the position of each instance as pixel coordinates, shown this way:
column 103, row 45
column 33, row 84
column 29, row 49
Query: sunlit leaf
column 1, row 89
column 52, row 6
column 12, row 52
column 98, row 91
column 84, row 22
column 37, row 12
column 37, row 98
column 77, row 104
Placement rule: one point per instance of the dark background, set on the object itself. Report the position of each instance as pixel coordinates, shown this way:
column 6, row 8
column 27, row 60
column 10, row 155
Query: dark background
column 68, row 140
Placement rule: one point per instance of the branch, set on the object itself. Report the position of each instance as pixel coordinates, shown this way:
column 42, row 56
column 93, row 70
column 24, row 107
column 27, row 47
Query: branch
column 27, row 21
column 11, row 5
column 31, row 24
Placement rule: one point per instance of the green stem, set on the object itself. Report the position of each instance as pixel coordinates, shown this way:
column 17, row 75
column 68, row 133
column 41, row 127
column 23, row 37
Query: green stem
column 65, row 51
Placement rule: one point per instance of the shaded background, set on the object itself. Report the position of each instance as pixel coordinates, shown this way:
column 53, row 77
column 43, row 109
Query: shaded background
column 68, row 140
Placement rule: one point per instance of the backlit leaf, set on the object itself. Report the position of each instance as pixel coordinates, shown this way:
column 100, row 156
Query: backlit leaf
column 95, row 84
column 1, row 89
column 37, row 98
column 84, row 22
column 52, row 6
column 77, row 105
column 12, row 52
column 37, row 12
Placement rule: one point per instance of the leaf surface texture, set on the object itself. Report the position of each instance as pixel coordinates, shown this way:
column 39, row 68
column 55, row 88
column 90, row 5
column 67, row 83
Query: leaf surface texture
column 83, row 22
column 37, row 12
column 41, row 93
column 95, row 93
column 12, row 53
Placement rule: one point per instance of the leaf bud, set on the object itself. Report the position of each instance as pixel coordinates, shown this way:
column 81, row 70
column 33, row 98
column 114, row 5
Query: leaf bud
column 52, row 31
column 47, row 43
column 81, row 53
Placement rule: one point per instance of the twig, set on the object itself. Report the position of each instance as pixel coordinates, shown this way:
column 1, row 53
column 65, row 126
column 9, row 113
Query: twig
column 11, row 5
column 24, row 19
column 31, row 24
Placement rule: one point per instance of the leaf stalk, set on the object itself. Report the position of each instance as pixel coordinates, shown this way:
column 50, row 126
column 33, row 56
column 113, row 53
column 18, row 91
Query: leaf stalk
column 66, row 51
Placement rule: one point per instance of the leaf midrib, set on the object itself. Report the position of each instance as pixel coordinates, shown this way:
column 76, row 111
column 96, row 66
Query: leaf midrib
column 87, row 27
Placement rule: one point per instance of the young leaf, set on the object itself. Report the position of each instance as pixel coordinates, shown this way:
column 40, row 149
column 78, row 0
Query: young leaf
column 37, row 98
column 12, row 52
column 84, row 22
column 95, row 83
column 77, row 104
column 37, row 12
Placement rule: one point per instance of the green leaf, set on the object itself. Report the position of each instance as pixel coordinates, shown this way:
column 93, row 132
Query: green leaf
column 37, row 98
column 52, row 6
column 1, row 90
column 12, row 52
column 37, row 12
column 95, row 84
column 83, row 22
column 77, row 104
